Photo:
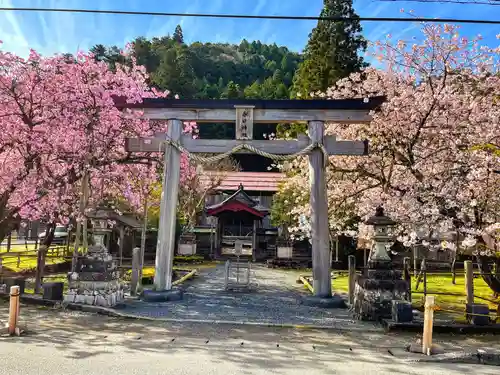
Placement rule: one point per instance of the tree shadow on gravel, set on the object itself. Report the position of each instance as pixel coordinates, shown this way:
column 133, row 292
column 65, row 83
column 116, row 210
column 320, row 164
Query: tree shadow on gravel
column 85, row 336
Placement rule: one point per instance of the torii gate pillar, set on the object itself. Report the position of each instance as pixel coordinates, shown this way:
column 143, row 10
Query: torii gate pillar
column 168, row 208
column 322, row 283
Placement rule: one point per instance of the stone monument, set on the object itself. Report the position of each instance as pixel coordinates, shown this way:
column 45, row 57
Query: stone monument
column 375, row 290
column 96, row 278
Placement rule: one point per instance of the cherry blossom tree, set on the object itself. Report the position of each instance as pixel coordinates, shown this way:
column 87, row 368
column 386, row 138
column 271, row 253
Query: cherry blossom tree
column 198, row 186
column 432, row 162
column 63, row 135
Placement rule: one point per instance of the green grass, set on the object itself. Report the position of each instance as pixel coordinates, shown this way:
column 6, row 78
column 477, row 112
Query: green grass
column 14, row 248
column 438, row 284
column 26, row 261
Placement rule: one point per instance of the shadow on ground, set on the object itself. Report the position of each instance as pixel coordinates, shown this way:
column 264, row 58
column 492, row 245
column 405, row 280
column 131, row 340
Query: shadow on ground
column 275, row 299
column 85, row 336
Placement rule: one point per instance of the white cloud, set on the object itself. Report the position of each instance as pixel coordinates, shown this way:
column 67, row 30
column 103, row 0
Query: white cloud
column 258, row 8
column 11, row 33
column 368, row 11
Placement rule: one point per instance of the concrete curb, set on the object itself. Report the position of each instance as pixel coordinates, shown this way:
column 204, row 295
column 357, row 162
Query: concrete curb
column 117, row 314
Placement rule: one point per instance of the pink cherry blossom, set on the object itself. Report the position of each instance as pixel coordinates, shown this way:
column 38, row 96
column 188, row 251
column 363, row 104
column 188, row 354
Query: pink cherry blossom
column 427, row 162
column 59, row 121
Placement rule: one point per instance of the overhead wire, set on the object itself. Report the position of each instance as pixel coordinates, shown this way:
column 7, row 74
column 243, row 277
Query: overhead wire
column 248, row 16
column 463, row 2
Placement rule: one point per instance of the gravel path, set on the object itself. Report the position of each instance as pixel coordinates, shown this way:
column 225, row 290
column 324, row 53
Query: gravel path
column 276, row 299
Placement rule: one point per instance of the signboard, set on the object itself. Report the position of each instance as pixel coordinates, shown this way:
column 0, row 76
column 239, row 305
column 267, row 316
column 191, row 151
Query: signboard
column 238, row 247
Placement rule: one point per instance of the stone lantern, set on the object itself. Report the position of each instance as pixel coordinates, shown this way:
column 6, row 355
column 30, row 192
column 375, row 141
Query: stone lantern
column 381, row 285
column 101, row 233
column 381, row 238
column 95, row 280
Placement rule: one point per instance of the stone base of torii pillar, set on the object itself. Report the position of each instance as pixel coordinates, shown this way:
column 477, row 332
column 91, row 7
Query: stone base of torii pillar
column 333, row 302
column 162, row 295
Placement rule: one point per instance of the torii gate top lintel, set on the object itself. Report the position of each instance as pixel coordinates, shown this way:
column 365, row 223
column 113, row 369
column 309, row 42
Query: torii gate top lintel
column 354, row 103
column 263, row 111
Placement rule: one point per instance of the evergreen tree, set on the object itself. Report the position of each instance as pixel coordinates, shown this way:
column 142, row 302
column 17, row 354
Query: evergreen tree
column 99, row 52
column 178, row 35
column 243, row 47
column 204, row 70
column 253, row 91
column 281, row 92
column 332, row 50
column 175, row 72
column 233, row 91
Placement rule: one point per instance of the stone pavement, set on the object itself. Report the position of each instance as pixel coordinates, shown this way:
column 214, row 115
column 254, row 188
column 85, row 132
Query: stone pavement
column 275, row 300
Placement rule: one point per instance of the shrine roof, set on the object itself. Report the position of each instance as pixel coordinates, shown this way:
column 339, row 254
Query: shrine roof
column 238, row 201
column 313, row 104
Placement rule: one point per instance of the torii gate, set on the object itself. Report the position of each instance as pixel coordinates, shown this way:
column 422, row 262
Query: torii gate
column 246, row 113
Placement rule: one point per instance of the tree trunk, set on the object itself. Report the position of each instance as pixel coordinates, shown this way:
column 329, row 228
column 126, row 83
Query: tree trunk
column 454, row 269
column 6, row 227
column 78, row 234
column 79, row 223
column 42, row 252
column 85, row 194
column 9, row 241
column 487, row 274
column 423, row 269
column 454, row 260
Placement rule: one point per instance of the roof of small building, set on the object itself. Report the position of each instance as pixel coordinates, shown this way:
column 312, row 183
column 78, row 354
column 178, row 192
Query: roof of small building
column 243, row 200
column 252, row 181
column 126, row 219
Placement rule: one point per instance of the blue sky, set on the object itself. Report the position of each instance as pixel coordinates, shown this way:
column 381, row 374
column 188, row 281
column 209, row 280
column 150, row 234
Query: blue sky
column 51, row 33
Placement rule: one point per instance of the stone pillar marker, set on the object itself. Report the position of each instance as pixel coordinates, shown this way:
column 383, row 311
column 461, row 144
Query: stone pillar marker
column 375, row 292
